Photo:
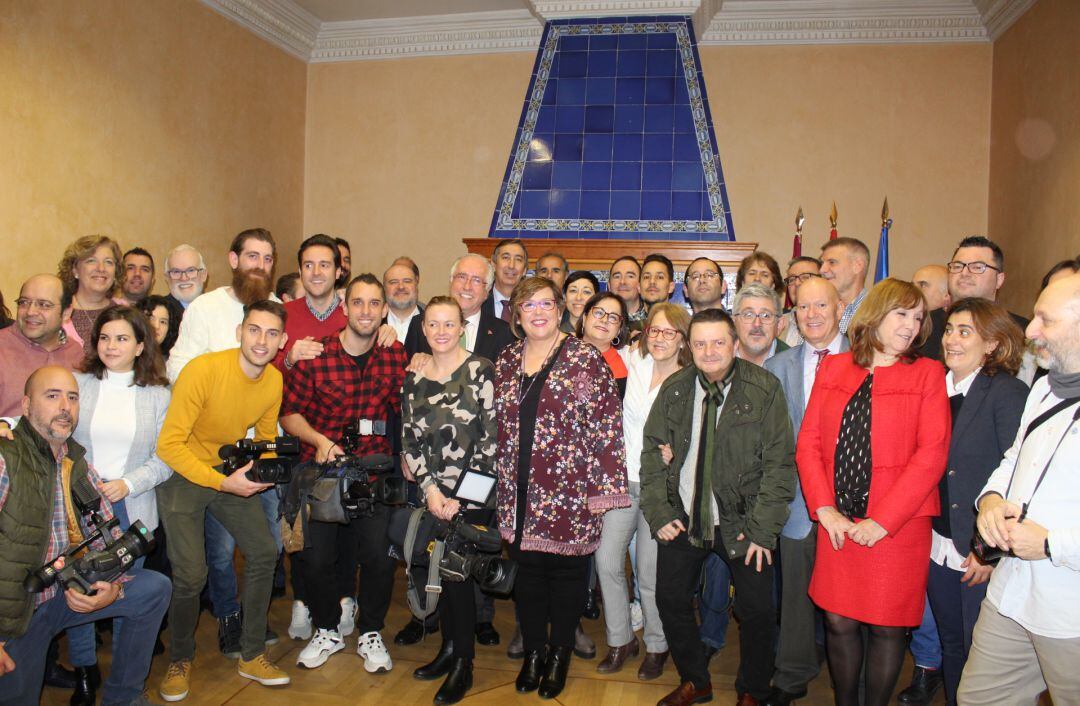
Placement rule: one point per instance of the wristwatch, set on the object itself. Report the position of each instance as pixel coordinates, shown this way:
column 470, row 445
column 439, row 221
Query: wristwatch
column 1046, row 547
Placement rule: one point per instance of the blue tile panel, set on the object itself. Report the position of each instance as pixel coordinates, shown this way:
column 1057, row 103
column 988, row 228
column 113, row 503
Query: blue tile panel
column 615, row 138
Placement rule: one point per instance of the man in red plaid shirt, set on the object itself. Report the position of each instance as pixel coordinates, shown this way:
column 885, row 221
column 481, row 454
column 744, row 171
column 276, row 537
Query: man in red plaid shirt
column 354, row 385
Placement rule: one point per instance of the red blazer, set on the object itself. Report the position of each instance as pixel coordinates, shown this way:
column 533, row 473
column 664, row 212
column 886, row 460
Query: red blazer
column 909, row 431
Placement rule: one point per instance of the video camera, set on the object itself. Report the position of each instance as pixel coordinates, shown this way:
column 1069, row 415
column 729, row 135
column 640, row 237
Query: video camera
column 474, row 551
column 263, row 470
column 95, row 565
column 361, row 482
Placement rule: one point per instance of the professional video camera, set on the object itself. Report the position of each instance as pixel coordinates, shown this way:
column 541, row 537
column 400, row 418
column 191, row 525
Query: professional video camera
column 95, row 565
column 263, row 470
column 350, row 486
column 474, row 551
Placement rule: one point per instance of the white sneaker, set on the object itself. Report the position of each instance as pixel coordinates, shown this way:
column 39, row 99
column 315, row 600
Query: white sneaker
column 348, row 617
column 324, row 644
column 372, row 649
column 300, row 627
column 637, row 619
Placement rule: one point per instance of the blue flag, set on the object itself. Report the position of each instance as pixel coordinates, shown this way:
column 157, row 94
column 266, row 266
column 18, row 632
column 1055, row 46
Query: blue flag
column 881, row 270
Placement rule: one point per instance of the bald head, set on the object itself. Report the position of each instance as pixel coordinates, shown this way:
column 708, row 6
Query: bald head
column 41, row 315
column 817, row 311
column 51, row 404
column 933, row 280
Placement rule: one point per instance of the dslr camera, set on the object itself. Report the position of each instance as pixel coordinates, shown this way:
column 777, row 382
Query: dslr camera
column 474, row 551
column 263, row 470
column 95, row 565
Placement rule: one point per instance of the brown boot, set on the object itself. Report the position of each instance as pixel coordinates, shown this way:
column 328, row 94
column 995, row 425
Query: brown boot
column 686, row 694
column 652, row 666
column 617, row 656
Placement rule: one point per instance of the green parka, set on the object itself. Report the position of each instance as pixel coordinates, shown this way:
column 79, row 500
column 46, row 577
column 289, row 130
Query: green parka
column 755, row 456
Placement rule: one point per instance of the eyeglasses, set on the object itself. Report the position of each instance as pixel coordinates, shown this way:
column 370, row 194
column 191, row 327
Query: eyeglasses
column 976, row 268
column 463, row 279
column 189, row 273
column 43, row 304
column 532, row 305
column 804, row 277
column 749, row 316
column 668, row 334
column 703, row 276
column 600, row 315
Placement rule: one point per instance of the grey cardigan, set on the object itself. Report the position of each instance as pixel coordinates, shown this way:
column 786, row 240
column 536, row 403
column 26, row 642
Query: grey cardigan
column 144, row 471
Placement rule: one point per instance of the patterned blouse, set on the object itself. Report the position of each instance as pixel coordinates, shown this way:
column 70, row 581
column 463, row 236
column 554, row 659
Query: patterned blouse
column 578, row 463
column 448, row 426
column 853, row 461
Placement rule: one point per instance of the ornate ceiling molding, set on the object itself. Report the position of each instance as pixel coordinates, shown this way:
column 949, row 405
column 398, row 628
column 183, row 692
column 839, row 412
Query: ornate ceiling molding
column 716, row 22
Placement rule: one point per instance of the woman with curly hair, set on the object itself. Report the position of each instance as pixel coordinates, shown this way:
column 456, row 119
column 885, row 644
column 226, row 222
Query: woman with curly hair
column 89, row 270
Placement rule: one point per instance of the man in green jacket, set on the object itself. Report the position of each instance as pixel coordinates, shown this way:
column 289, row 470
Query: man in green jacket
column 717, row 475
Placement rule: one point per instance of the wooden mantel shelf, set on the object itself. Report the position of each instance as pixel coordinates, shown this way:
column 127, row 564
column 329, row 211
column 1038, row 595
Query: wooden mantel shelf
column 584, row 254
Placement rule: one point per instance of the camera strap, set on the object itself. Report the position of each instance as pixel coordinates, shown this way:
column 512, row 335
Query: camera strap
column 75, row 534
column 422, row 608
column 1035, row 424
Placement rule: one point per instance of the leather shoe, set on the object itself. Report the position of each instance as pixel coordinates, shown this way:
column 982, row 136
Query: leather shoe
column 617, row 656
column 686, row 694
column 592, row 604
column 652, row 666
column 747, row 700
column 438, row 667
column 516, row 648
column 584, row 647
column 532, row 669
column 779, row 697
column 924, row 684
column 87, row 680
column 414, row 632
column 558, row 664
column 486, row 634
column 59, row 676
column 457, row 684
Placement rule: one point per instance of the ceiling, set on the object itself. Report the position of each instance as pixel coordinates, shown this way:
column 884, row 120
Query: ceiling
column 357, row 30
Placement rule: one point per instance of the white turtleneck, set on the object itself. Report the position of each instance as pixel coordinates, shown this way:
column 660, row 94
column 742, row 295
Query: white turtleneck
column 113, row 428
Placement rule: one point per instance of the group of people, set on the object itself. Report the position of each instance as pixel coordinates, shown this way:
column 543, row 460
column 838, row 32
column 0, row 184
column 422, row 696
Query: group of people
column 843, row 459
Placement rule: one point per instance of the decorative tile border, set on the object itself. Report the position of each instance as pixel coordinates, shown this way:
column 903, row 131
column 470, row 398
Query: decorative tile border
column 719, row 228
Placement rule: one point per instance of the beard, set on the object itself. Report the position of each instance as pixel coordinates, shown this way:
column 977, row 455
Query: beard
column 251, row 286
column 403, row 302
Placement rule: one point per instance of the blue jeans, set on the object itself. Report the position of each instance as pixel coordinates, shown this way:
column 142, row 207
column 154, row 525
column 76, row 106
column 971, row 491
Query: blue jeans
column 146, row 597
column 220, row 549
column 714, row 601
column 925, row 643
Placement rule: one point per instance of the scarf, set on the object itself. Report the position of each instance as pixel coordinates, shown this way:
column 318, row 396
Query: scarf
column 1064, row 385
column 702, row 522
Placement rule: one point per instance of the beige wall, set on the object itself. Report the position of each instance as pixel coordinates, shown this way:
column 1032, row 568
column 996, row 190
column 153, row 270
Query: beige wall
column 153, row 122
column 408, row 155
column 1035, row 146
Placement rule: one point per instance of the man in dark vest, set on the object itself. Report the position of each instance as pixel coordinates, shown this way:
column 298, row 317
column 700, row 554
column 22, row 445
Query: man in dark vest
column 38, row 467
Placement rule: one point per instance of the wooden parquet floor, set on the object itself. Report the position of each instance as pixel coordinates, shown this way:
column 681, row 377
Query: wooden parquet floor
column 343, row 681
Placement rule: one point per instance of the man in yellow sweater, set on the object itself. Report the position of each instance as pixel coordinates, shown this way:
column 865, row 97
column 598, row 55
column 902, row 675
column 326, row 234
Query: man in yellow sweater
column 216, row 399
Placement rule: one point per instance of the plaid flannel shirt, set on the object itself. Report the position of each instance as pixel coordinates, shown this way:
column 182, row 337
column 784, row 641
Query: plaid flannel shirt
column 331, row 392
column 58, row 531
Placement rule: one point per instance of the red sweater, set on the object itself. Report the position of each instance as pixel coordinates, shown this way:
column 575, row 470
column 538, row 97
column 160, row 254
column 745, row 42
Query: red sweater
column 301, row 323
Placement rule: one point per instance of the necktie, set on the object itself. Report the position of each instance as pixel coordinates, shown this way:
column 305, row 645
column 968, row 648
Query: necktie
column 505, row 314
column 820, row 357
column 701, row 521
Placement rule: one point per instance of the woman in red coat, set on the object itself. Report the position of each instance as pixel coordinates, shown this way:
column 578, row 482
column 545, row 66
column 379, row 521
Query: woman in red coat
column 871, row 450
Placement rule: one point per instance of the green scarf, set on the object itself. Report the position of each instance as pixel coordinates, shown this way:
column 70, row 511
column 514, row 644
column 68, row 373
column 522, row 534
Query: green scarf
column 702, row 522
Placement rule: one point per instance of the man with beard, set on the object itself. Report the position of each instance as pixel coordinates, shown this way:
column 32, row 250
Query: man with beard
column 217, row 398
column 704, row 285
column 757, row 323
column 402, row 280
column 353, row 385
column 510, row 259
column 138, row 275
column 345, row 253
column 657, row 279
column 318, row 313
column 185, row 271
column 209, row 326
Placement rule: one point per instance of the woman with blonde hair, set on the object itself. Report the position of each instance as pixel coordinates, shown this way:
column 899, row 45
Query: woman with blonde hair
column 90, row 271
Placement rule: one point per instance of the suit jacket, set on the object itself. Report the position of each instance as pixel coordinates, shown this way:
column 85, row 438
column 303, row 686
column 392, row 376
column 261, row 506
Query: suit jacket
column 938, row 318
column 178, row 304
column 493, row 335
column 788, row 366
column 144, row 471
column 983, row 431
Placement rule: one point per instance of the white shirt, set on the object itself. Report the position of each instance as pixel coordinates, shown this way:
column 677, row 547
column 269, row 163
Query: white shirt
column 810, row 363
column 689, row 469
column 401, row 326
column 472, row 327
column 637, row 402
column 113, row 430
column 943, row 551
column 1042, row 595
column 209, row 325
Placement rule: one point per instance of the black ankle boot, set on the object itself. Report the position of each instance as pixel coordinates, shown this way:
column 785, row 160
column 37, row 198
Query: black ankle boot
column 439, row 666
column 56, row 674
column 87, row 680
column 592, row 604
column 229, row 629
column 458, row 682
column 558, row 663
column 532, row 669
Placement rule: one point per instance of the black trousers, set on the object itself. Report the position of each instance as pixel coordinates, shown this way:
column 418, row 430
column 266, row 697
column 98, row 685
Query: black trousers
column 549, row 591
column 956, row 608
column 460, row 601
column 319, row 564
column 678, row 570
